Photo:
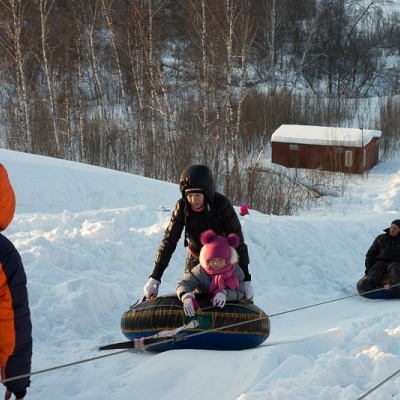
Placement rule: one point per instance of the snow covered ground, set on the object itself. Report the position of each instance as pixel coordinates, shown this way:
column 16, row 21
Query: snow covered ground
column 88, row 237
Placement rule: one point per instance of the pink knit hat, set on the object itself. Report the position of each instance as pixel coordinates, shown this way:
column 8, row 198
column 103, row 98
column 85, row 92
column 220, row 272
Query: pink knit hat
column 215, row 246
column 244, row 209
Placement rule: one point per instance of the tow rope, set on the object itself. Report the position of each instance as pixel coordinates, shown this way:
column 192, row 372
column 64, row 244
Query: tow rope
column 165, row 337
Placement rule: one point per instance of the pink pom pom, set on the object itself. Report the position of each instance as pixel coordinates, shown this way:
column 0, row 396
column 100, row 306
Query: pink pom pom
column 233, row 240
column 208, row 236
column 244, row 209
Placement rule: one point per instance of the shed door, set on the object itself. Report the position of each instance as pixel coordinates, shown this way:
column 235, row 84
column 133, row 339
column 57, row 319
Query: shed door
column 348, row 158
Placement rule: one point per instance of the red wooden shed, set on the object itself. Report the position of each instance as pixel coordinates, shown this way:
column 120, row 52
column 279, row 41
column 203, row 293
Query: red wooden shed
column 347, row 150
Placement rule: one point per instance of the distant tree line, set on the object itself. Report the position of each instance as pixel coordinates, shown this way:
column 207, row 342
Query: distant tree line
column 150, row 86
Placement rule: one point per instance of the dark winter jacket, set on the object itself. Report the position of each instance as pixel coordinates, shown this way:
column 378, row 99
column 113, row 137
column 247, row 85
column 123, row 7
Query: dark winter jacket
column 218, row 215
column 384, row 248
column 15, row 321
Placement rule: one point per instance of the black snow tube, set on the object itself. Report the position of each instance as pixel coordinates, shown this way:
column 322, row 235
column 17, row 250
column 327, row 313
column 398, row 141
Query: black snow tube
column 237, row 326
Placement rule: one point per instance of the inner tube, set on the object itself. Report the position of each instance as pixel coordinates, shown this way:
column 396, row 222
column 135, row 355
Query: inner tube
column 237, row 326
column 365, row 289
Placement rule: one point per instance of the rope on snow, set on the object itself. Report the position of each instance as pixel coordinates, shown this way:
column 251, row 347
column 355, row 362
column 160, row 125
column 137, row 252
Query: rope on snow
column 214, row 330
column 61, row 366
column 378, row 385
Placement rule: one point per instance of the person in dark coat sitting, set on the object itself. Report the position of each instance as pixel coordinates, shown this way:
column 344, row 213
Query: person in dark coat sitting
column 382, row 261
column 15, row 320
column 199, row 209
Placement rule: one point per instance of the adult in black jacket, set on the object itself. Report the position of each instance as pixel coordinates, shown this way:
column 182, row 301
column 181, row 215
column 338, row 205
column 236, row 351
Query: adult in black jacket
column 200, row 208
column 382, row 260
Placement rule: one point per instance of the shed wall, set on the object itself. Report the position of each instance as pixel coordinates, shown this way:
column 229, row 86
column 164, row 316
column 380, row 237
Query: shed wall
column 328, row 158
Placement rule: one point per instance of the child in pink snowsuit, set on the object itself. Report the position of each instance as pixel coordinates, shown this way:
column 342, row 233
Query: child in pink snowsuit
column 217, row 273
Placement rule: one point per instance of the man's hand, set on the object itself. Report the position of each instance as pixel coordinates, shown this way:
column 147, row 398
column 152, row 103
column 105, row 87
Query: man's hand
column 248, row 291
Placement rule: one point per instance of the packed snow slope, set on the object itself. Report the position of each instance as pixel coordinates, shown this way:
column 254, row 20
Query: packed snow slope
column 88, row 237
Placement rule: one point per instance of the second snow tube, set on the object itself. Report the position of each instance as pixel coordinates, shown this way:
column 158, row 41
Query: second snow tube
column 379, row 293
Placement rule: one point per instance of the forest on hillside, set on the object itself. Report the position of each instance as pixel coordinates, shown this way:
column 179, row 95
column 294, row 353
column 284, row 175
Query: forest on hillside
column 150, row 86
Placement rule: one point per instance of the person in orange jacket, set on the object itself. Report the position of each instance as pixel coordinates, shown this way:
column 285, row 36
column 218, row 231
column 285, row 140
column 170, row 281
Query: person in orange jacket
column 15, row 320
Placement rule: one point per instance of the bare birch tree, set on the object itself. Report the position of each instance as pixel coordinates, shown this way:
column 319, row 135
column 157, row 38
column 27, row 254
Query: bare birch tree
column 11, row 41
column 107, row 6
column 44, row 9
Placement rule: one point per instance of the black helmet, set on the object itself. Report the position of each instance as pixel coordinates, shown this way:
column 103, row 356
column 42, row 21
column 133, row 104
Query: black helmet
column 200, row 177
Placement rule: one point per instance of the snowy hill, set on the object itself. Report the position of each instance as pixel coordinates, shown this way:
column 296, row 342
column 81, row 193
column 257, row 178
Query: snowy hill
column 88, row 237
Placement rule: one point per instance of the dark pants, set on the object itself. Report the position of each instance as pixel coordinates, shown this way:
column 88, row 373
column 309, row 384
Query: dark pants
column 384, row 270
column 190, row 263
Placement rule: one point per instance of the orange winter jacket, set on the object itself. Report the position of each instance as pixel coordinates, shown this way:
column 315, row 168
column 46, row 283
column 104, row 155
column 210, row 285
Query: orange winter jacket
column 7, row 199
column 15, row 322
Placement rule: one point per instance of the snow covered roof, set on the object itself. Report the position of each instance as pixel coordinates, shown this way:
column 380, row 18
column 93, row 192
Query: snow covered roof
column 321, row 135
